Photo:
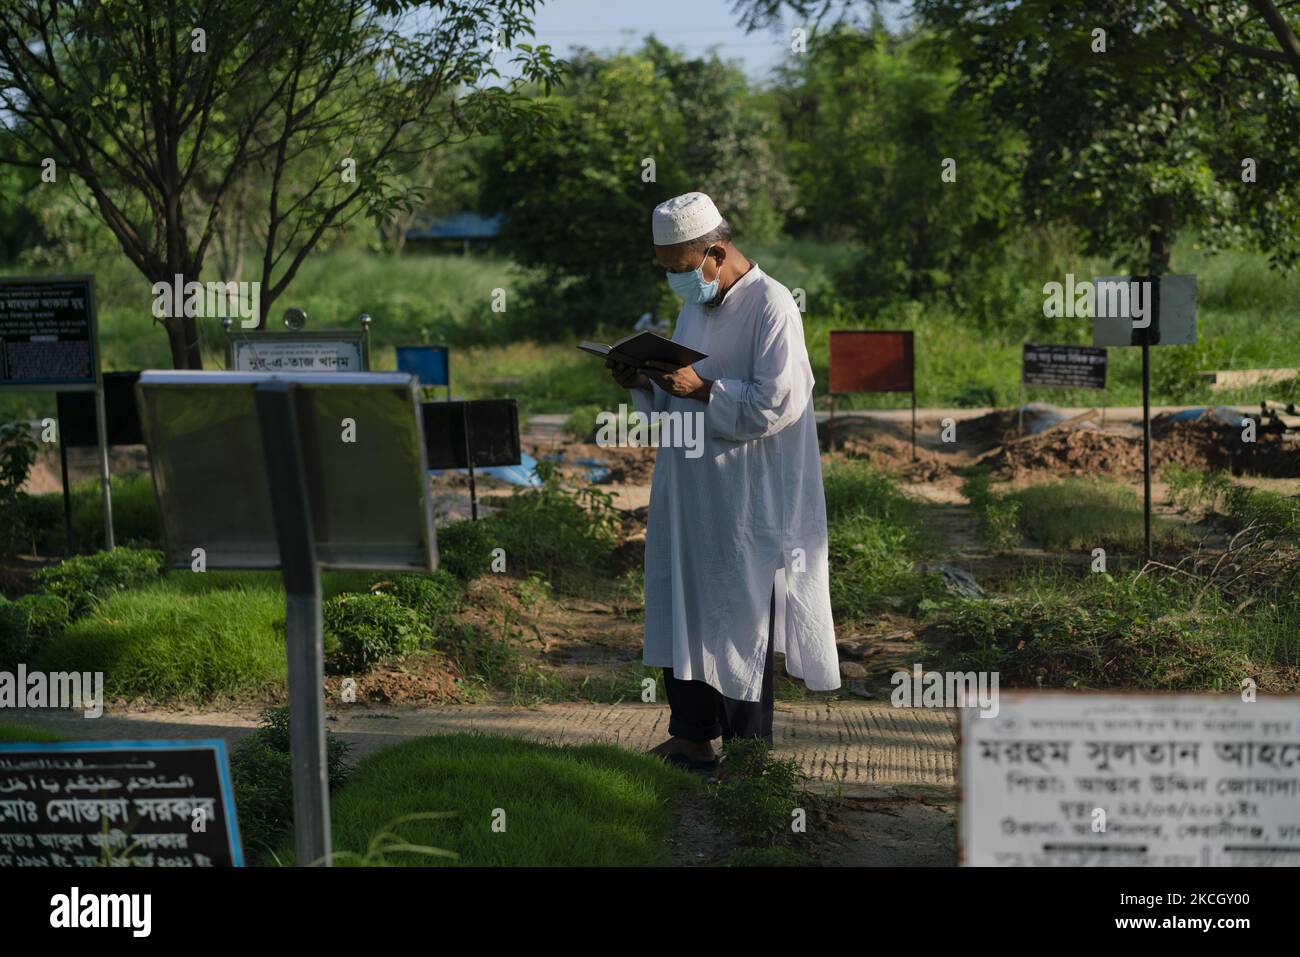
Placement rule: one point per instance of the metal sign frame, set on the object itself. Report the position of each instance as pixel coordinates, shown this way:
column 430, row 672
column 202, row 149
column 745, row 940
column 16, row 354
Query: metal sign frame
column 284, row 445
column 1146, row 337
column 1104, row 388
column 78, row 385
column 215, row 746
column 908, row 337
column 468, row 409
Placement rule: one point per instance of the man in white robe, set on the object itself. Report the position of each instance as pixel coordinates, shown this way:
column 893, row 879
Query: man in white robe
column 736, row 550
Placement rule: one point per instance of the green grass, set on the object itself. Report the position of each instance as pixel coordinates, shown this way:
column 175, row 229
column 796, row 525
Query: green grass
column 170, row 646
column 20, row 734
column 875, row 535
column 1056, row 629
column 1245, row 321
column 1213, row 493
column 593, row 805
column 1082, row 514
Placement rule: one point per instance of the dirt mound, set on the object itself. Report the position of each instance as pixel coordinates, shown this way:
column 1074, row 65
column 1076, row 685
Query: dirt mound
column 991, row 428
column 889, row 453
column 1202, row 444
column 416, row 679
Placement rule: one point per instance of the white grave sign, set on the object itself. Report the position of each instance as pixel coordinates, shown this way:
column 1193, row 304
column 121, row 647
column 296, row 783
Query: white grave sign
column 1131, row 780
column 286, row 353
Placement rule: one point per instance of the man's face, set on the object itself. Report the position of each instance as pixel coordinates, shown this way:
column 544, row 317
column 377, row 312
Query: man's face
column 685, row 257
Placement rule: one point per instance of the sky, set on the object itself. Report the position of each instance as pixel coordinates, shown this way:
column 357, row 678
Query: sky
column 692, row 25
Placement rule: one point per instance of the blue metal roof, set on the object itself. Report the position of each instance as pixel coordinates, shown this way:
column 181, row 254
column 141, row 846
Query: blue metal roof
column 464, row 225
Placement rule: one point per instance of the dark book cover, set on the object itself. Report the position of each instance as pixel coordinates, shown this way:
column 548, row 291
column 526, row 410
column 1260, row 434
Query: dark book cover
column 636, row 349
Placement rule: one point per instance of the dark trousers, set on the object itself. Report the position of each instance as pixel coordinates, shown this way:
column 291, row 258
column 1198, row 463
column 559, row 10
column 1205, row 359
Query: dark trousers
column 702, row 713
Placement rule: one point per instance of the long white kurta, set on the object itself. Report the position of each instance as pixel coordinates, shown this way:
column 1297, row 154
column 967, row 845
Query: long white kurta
column 746, row 515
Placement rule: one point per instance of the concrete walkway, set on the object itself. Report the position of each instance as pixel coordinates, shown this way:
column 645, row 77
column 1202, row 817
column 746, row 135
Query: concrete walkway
column 863, row 749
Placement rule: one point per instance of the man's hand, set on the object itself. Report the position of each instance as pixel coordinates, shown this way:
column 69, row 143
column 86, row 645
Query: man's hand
column 629, row 377
column 683, row 382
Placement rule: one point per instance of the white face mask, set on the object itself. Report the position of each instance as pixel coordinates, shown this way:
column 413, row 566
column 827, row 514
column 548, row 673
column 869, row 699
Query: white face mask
column 691, row 285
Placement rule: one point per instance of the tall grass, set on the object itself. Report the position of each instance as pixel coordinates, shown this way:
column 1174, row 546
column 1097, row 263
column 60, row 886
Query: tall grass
column 963, row 358
column 169, row 646
column 875, row 534
column 1104, row 631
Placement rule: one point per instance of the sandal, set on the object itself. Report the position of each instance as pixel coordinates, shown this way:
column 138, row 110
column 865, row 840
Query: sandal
column 679, row 760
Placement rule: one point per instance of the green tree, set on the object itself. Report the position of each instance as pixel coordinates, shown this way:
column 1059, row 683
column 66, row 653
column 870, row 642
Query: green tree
column 628, row 132
column 1140, row 140
column 882, row 153
column 1133, row 144
column 160, row 116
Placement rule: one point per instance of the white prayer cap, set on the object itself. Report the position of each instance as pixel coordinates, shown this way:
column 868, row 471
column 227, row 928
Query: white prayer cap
column 683, row 218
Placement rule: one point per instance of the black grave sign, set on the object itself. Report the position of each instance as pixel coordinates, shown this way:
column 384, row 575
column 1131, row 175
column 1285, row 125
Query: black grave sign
column 47, row 332
column 77, row 413
column 494, row 433
column 128, row 803
column 1064, row 367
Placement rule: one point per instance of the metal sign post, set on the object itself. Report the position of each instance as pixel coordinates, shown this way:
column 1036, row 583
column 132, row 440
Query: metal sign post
column 1170, row 320
column 1060, row 367
column 297, row 350
column 313, row 470
column 464, row 435
column 303, row 629
column 1014, row 810
column 106, row 486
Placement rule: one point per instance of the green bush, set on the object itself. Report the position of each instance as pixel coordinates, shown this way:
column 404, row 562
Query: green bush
column 855, row 485
column 758, row 792
column 482, row 655
column 262, row 772
column 581, row 423
column 26, row 624
column 432, row 597
column 1246, row 506
column 136, row 520
column 15, row 634
column 556, row 526
column 1080, row 514
column 1105, row 631
column 371, row 627
column 465, row 548
column 17, row 455
column 85, row 579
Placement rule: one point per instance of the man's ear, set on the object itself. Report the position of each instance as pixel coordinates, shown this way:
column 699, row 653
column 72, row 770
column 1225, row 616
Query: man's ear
column 719, row 253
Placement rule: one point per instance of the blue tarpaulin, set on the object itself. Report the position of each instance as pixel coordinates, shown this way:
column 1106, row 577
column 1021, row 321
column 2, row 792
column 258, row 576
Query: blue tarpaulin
column 525, row 473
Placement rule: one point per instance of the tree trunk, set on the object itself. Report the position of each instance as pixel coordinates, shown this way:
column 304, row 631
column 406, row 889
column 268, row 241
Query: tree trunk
column 1161, row 241
column 183, row 336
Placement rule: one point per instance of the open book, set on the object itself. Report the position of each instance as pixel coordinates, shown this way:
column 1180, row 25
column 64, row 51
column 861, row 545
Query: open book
column 635, row 349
